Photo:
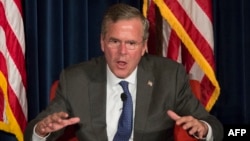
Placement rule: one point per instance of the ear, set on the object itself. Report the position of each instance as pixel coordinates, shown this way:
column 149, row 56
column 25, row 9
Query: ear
column 145, row 47
column 102, row 42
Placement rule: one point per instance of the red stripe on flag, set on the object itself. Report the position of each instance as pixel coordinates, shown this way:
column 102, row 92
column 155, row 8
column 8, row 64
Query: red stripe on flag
column 173, row 46
column 205, row 85
column 13, row 45
column 187, row 59
column 3, row 70
column 194, row 34
column 206, row 7
column 13, row 100
column 16, row 109
column 207, row 89
column 152, row 28
column 19, row 6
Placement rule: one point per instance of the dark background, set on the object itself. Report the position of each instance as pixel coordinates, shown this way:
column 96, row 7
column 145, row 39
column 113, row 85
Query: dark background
column 63, row 32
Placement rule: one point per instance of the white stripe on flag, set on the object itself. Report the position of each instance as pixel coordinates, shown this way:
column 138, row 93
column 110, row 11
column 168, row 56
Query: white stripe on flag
column 199, row 18
column 15, row 20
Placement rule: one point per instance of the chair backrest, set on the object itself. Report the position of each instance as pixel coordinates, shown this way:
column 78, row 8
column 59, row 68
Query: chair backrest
column 53, row 90
column 69, row 132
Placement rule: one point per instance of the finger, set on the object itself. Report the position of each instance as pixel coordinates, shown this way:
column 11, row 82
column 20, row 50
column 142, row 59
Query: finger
column 41, row 128
column 58, row 117
column 65, row 122
column 200, row 134
column 193, row 130
column 203, row 129
column 197, row 130
column 44, row 123
column 185, row 120
column 63, row 115
column 73, row 120
column 173, row 115
column 188, row 126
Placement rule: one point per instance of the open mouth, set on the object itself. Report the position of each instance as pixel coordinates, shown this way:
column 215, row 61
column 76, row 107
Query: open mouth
column 121, row 64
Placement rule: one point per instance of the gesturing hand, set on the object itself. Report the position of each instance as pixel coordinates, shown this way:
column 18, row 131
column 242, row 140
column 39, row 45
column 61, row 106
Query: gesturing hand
column 194, row 126
column 54, row 122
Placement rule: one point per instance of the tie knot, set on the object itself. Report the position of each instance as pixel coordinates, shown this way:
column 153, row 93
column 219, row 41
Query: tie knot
column 124, row 85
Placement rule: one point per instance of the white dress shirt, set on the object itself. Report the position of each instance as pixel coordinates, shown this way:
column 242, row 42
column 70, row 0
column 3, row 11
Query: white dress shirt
column 114, row 102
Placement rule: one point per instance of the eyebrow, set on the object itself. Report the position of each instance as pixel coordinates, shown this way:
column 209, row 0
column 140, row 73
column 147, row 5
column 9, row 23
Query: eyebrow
column 130, row 40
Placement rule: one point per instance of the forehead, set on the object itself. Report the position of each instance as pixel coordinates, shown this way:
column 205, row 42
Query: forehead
column 129, row 21
column 125, row 27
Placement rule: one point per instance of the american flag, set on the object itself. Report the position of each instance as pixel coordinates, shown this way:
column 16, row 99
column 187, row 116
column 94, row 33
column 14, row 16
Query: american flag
column 186, row 36
column 183, row 31
column 13, row 102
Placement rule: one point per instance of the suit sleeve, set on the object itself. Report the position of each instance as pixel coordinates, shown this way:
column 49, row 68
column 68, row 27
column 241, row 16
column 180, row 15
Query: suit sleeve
column 187, row 104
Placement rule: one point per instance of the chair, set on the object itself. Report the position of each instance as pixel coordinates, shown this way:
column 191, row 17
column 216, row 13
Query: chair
column 69, row 132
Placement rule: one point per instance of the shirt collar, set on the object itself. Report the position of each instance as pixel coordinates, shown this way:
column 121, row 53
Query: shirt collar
column 113, row 80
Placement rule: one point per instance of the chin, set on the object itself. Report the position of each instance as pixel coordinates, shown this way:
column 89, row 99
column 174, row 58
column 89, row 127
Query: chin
column 121, row 75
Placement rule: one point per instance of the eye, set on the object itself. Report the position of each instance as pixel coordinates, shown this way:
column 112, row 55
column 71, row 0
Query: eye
column 131, row 43
column 113, row 41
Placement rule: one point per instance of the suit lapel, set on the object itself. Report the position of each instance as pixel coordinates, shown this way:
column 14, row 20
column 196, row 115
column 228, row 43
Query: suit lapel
column 145, row 82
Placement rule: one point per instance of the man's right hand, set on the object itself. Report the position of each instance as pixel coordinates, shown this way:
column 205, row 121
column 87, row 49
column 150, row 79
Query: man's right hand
column 54, row 122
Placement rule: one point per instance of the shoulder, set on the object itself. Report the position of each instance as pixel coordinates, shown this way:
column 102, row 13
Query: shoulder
column 162, row 66
column 159, row 62
column 89, row 64
column 88, row 68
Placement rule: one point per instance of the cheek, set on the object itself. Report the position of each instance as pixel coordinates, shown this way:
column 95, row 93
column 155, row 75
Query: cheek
column 109, row 54
column 135, row 58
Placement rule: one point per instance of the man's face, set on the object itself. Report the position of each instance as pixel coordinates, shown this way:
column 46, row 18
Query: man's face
column 123, row 46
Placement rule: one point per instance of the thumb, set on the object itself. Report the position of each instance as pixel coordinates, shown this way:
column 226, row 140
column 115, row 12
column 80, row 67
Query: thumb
column 173, row 115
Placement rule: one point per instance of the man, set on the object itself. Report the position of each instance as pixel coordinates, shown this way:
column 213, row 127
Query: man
column 89, row 94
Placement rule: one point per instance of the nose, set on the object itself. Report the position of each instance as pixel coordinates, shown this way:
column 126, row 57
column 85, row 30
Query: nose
column 123, row 49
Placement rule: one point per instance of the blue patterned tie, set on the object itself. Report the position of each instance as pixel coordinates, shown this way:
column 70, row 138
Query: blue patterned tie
column 126, row 119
